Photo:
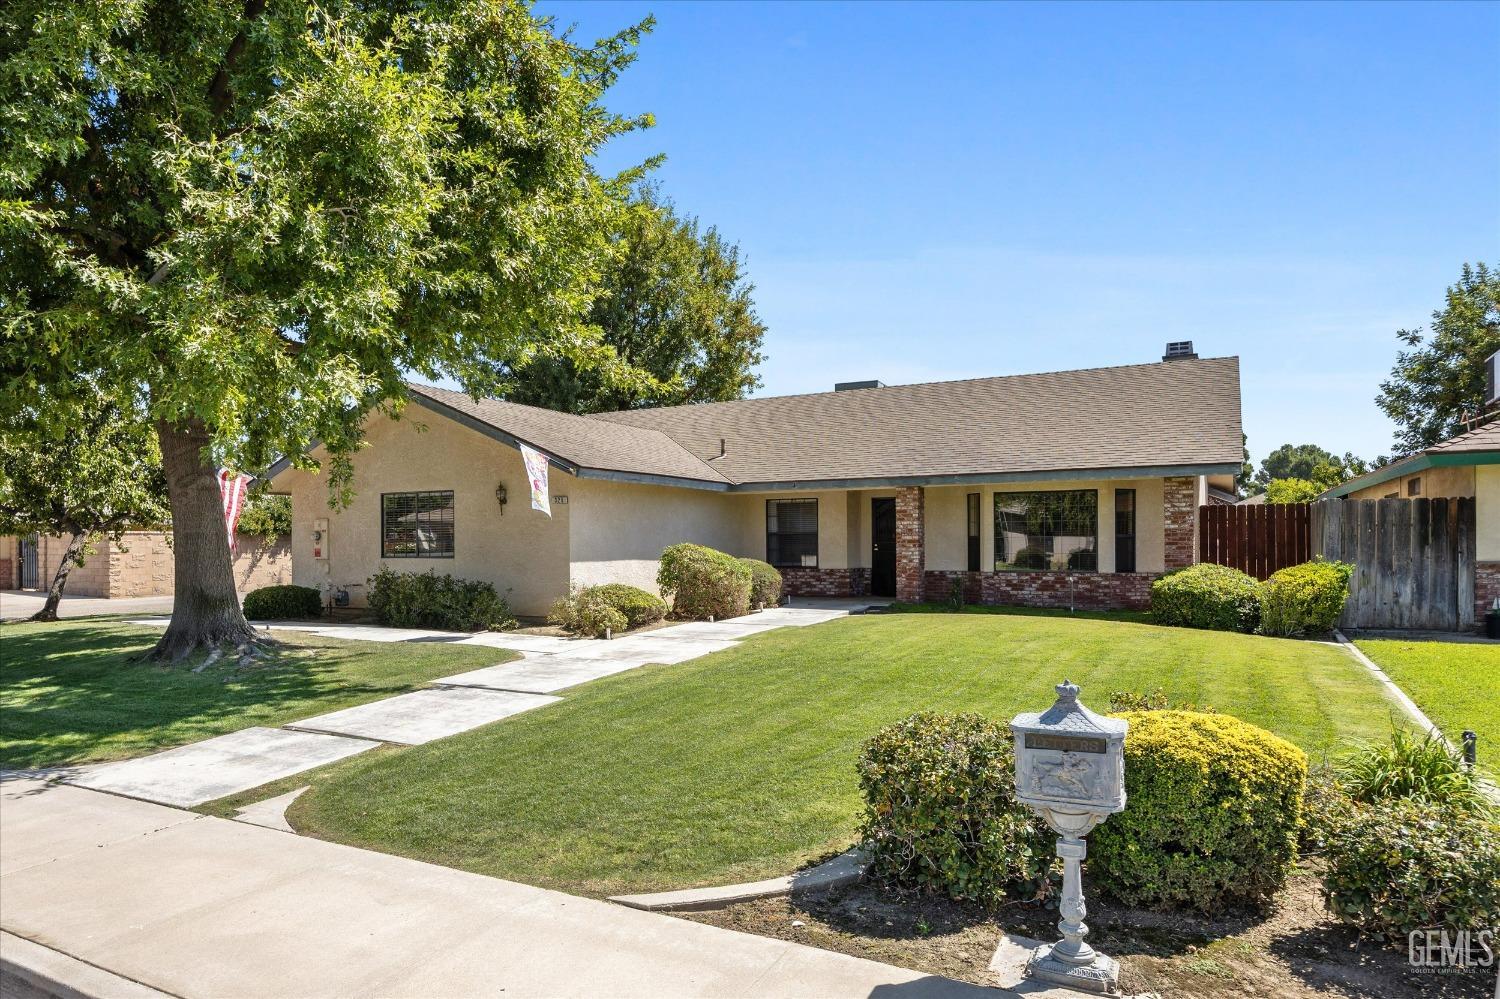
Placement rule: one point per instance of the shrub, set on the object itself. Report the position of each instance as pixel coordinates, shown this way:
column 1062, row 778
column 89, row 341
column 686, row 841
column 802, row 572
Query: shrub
column 283, row 603
column 268, row 516
column 588, row 612
column 703, row 583
column 1419, row 768
column 1206, row 596
column 638, row 606
column 427, row 600
column 765, row 582
column 1304, row 599
column 1404, row 865
column 941, row 813
column 1153, row 700
column 1212, row 811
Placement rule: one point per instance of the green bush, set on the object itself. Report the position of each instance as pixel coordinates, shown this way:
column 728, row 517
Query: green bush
column 765, row 582
column 1211, row 818
column 427, row 600
column 1403, row 865
column 638, row 606
column 283, row 603
column 587, row 612
column 1206, row 596
column 703, row 583
column 1421, row 768
column 941, row 813
column 1304, row 599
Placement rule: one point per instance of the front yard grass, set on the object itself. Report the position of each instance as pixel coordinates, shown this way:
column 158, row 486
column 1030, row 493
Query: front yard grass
column 740, row 765
column 70, row 692
column 1457, row 685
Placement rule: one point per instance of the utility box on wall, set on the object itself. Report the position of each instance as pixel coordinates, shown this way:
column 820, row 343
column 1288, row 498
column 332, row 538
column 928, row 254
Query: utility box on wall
column 320, row 539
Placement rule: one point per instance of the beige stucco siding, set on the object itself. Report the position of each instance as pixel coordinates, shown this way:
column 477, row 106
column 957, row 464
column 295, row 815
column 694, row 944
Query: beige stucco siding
column 833, row 524
column 618, row 530
column 1487, row 512
column 522, row 551
column 1451, row 480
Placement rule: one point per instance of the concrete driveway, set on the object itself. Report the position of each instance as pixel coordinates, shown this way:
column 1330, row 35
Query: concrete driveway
column 21, row 604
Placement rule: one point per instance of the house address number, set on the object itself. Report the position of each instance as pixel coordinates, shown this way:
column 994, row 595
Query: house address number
column 1064, row 743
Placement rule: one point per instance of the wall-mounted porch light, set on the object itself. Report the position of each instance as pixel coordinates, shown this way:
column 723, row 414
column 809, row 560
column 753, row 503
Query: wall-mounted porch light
column 500, row 497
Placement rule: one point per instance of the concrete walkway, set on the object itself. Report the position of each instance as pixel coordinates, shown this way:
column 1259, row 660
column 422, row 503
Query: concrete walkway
column 196, row 906
column 21, row 604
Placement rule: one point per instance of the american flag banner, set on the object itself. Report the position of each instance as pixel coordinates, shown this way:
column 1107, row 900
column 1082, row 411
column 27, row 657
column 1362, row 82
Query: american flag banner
column 232, row 490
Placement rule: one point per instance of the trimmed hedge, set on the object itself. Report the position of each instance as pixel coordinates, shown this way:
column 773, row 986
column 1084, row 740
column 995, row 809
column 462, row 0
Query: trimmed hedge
column 612, row 607
column 1213, row 806
column 638, row 606
column 765, row 582
column 283, row 603
column 427, row 600
column 941, row 813
column 1304, row 599
column 1206, row 596
column 703, row 583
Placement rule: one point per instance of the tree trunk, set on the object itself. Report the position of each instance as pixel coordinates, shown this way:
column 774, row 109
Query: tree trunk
column 205, row 608
column 60, row 578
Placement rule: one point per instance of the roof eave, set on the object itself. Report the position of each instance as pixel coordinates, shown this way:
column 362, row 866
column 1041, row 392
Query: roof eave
column 1416, row 463
column 978, row 478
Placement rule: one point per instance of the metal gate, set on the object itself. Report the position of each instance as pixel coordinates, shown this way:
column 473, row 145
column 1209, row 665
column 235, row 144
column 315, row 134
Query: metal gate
column 29, row 574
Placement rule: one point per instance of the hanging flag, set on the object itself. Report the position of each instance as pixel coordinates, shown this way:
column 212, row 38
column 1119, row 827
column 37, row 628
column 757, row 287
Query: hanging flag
column 536, row 473
column 232, row 490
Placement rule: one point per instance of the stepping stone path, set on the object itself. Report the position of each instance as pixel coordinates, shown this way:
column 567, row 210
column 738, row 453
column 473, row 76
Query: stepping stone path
column 228, row 764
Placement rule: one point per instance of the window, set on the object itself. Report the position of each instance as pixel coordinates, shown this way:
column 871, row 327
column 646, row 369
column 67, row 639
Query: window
column 973, row 513
column 416, row 525
column 1124, row 530
column 1047, row 530
column 1414, row 486
column 792, row 532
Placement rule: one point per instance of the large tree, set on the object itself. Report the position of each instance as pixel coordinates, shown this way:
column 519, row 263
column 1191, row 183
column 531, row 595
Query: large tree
column 1310, row 462
column 256, row 218
column 674, row 306
column 1440, row 381
column 91, row 475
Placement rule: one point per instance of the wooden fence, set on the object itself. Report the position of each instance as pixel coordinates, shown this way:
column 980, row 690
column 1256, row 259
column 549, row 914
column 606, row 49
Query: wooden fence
column 1255, row 539
column 1413, row 558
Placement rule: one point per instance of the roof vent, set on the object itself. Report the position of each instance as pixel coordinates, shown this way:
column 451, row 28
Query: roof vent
column 1180, row 350
column 847, row 386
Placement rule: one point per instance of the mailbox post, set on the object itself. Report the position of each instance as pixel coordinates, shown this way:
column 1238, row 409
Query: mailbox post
column 1070, row 768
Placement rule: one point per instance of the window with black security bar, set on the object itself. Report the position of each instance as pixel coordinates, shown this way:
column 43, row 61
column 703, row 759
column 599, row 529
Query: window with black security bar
column 1047, row 531
column 792, row 533
column 416, row 525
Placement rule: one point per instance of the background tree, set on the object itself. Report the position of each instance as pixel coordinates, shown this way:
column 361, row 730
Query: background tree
column 1441, row 379
column 1293, row 490
column 675, row 308
column 1310, row 462
column 1245, row 481
column 97, row 477
column 257, row 218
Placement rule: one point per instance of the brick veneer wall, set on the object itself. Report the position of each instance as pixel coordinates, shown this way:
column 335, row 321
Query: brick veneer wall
column 141, row 565
column 7, row 573
column 1486, row 589
column 801, row 582
column 1083, row 590
column 938, row 585
column 911, row 543
column 1180, row 520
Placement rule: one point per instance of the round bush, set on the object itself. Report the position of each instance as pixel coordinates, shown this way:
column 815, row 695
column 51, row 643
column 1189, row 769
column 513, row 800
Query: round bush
column 1304, row 599
column 427, row 600
column 638, row 606
column 765, row 582
column 588, row 612
column 283, row 603
column 703, row 583
column 1206, row 596
column 941, row 812
column 1401, row 865
column 1211, row 814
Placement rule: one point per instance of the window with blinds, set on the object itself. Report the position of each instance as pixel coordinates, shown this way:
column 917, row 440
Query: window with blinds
column 416, row 525
column 792, row 532
column 1055, row 531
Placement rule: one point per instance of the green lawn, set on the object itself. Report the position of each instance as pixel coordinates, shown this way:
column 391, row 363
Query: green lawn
column 741, row 764
column 70, row 692
column 1457, row 684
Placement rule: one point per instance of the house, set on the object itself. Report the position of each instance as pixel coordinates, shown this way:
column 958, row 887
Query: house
column 1069, row 487
column 138, row 565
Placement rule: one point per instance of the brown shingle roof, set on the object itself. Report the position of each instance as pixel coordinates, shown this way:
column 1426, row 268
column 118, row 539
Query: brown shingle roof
column 1485, row 438
column 1177, row 413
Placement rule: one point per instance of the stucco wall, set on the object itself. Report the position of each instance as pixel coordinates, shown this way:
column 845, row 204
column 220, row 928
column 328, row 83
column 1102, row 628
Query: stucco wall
column 522, row 551
column 833, row 524
column 1451, row 480
column 617, row 530
column 1487, row 512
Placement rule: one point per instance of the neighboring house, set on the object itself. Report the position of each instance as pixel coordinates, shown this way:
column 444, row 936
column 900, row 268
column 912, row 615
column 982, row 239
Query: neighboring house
column 1048, row 489
column 1259, row 499
column 140, row 565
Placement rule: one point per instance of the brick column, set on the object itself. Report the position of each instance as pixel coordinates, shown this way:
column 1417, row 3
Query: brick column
column 1486, row 589
column 911, row 543
column 1179, row 497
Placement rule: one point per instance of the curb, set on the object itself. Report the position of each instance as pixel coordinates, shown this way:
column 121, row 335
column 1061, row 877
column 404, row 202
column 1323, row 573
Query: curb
column 29, row 970
column 844, row 869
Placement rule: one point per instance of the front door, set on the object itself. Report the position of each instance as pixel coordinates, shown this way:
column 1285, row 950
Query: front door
column 883, row 547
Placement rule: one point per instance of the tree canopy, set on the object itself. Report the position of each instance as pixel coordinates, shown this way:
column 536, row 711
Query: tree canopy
column 1308, row 462
column 674, row 306
column 1440, row 381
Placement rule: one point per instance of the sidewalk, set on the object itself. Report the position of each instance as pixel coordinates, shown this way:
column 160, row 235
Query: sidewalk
column 17, row 605
column 198, row 906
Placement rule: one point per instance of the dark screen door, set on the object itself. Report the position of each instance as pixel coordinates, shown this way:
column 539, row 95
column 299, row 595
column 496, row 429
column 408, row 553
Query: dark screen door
column 883, row 547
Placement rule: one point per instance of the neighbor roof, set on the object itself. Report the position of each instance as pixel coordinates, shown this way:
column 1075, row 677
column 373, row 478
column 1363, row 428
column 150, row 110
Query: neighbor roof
column 1480, row 446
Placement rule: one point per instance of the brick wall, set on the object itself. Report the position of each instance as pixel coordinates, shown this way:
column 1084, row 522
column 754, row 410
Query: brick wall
column 1486, row 589
column 1180, row 521
column 1083, row 590
column 800, row 582
column 141, row 565
column 938, row 585
column 911, row 544
column 7, row 573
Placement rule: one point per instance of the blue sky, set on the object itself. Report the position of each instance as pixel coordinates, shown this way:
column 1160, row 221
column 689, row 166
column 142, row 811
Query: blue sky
column 945, row 191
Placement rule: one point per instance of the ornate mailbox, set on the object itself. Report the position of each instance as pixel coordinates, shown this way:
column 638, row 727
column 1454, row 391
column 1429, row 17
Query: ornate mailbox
column 1070, row 768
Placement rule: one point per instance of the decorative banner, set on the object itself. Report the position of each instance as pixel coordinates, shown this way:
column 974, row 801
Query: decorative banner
column 232, row 490
column 536, row 473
